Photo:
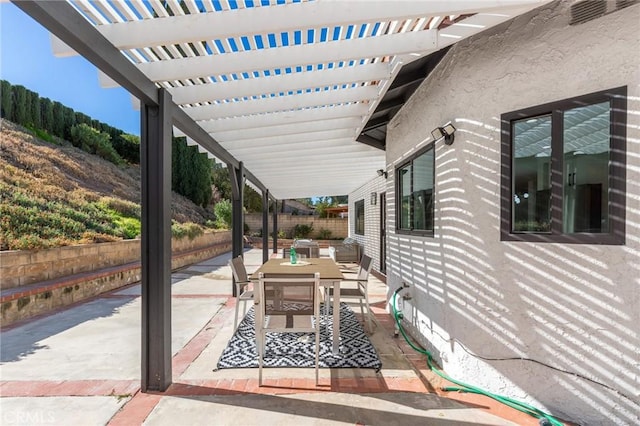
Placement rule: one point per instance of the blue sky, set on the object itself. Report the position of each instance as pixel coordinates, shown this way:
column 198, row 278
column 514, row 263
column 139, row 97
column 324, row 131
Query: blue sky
column 26, row 58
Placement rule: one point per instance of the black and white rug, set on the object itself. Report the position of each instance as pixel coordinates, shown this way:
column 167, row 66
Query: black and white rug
column 293, row 350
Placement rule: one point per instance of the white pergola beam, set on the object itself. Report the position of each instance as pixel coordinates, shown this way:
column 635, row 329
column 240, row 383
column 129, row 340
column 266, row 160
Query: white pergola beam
column 279, row 83
column 285, row 117
column 285, row 139
column 284, row 18
column 282, row 103
column 288, row 129
column 291, row 56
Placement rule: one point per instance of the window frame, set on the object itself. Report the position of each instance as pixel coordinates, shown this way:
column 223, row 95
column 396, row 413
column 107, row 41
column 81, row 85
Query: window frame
column 398, row 198
column 617, row 169
column 357, row 221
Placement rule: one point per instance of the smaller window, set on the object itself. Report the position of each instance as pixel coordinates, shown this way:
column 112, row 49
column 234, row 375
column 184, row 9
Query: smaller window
column 360, row 217
column 415, row 185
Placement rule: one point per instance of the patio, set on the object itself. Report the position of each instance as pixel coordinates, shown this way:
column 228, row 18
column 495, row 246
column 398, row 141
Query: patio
column 82, row 366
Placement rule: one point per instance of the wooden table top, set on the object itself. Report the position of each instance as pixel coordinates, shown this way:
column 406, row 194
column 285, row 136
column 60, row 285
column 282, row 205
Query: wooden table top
column 328, row 269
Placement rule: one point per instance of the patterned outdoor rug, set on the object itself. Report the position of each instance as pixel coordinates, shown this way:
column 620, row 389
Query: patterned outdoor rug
column 293, row 350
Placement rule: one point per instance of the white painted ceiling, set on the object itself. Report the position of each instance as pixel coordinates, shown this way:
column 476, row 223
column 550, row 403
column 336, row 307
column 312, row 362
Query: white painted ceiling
column 287, row 86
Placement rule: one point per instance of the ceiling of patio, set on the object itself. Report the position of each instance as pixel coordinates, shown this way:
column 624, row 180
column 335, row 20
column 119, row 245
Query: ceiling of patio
column 299, row 91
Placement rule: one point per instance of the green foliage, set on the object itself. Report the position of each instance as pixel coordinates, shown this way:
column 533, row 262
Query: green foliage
column 323, row 202
column 128, row 146
column 252, row 200
column 324, row 234
column 223, row 212
column 19, row 107
column 282, row 234
column 94, row 142
column 190, row 172
column 189, row 229
column 129, row 227
column 41, row 134
column 302, row 230
column 6, row 106
column 46, row 112
column 120, row 206
column 33, row 110
column 221, row 180
column 58, row 119
column 28, row 220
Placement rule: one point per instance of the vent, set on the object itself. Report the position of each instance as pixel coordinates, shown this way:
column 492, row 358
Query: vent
column 621, row 4
column 588, row 10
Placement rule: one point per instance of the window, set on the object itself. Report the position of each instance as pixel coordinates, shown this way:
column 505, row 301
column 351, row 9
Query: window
column 563, row 171
column 360, row 217
column 414, row 186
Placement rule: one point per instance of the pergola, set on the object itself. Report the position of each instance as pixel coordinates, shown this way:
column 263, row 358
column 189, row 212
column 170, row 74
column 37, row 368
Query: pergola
column 293, row 96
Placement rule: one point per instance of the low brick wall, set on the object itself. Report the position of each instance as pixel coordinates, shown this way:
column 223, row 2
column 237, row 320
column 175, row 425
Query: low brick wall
column 29, row 300
column 19, row 268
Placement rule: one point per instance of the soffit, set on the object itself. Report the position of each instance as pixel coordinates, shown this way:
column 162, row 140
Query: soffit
column 290, row 87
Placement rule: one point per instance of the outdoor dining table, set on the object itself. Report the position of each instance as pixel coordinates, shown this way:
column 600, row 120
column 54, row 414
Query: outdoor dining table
column 330, row 275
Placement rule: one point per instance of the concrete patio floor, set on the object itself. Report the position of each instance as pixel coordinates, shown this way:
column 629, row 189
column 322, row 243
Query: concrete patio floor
column 81, row 366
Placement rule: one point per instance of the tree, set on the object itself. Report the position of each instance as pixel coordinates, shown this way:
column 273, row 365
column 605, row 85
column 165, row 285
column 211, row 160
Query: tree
column 7, row 103
column 190, row 172
column 221, row 180
column 46, row 114
column 58, row 119
column 19, row 105
column 69, row 120
column 33, row 106
column 94, row 142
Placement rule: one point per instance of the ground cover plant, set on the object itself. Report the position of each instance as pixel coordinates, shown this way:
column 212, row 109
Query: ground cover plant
column 56, row 194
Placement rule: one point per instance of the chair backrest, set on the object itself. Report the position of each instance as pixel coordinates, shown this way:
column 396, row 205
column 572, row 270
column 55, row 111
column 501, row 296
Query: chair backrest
column 289, row 295
column 238, row 269
column 365, row 267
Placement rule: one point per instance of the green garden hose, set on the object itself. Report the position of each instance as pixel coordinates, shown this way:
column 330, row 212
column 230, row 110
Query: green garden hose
column 545, row 418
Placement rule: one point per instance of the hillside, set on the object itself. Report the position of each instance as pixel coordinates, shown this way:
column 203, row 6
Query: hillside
column 59, row 195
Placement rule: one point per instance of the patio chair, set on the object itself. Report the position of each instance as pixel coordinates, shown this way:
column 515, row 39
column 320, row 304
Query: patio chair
column 244, row 291
column 360, row 291
column 287, row 304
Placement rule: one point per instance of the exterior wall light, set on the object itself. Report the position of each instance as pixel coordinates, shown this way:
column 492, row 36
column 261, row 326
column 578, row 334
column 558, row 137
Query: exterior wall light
column 445, row 132
column 382, row 173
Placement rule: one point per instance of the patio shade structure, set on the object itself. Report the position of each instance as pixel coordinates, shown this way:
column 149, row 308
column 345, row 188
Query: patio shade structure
column 284, row 92
column 287, row 87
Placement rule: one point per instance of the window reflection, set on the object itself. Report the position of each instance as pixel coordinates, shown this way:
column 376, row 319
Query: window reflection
column 531, row 204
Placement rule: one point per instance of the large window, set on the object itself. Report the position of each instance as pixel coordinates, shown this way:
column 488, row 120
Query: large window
column 359, row 228
column 563, row 170
column 414, row 200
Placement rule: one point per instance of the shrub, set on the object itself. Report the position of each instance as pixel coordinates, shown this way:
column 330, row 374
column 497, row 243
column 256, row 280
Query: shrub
column 282, row 234
column 94, row 142
column 123, row 207
column 189, row 229
column 222, row 210
column 302, row 230
column 324, row 234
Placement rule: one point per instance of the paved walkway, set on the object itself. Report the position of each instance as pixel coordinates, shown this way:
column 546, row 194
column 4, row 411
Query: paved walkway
column 81, row 366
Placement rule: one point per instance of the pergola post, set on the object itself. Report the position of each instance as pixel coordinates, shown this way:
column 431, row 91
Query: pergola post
column 275, row 226
column 237, row 217
column 155, row 161
column 265, row 226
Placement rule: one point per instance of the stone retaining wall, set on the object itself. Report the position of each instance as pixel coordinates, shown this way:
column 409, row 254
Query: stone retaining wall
column 26, row 301
column 18, row 268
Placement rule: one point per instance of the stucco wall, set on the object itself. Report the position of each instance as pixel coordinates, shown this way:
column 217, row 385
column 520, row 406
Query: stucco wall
column 371, row 238
column 573, row 307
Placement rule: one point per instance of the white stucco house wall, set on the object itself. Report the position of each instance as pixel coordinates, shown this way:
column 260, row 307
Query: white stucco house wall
column 552, row 323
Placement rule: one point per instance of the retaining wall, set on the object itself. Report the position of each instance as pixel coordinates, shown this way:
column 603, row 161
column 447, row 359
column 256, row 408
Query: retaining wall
column 18, row 268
